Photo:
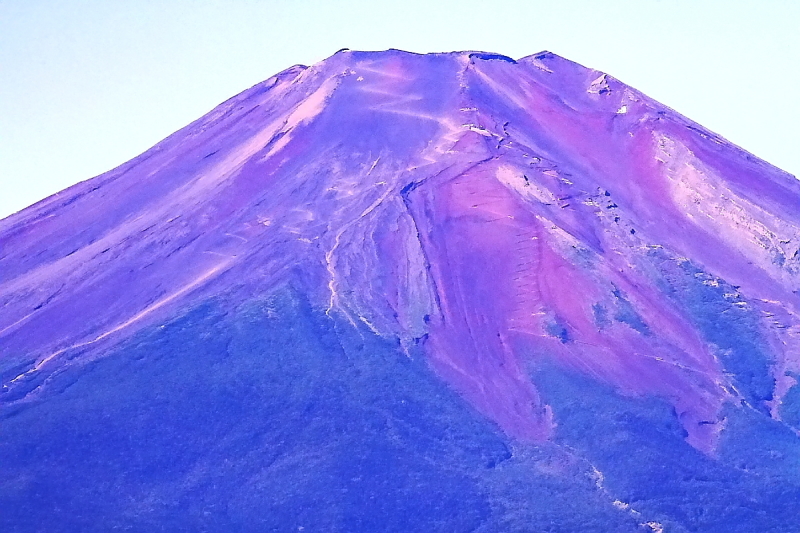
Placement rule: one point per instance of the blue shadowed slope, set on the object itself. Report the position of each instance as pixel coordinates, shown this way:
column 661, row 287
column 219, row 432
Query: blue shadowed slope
column 790, row 408
column 271, row 418
column 725, row 321
column 639, row 447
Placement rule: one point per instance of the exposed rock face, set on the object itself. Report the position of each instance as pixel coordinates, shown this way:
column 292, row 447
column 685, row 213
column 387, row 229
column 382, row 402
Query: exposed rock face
column 495, row 278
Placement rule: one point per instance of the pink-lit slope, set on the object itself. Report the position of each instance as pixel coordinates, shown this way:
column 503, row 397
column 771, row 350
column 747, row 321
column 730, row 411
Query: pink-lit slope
column 496, row 213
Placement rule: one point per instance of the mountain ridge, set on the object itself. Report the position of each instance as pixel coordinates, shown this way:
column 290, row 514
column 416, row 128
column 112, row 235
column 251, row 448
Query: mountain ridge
column 517, row 227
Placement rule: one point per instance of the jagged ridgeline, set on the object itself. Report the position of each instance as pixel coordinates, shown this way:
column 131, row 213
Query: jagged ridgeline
column 400, row 292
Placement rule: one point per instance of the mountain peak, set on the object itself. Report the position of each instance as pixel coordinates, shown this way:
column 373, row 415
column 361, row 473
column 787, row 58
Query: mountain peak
column 515, row 232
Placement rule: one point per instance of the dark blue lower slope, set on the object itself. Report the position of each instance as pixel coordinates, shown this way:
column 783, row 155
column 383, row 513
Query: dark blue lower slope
column 275, row 418
column 752, row 485
column 790, row 407
column 724, row 319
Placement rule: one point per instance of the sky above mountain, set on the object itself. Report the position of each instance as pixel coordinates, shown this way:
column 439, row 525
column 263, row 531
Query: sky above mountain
column 90, row 84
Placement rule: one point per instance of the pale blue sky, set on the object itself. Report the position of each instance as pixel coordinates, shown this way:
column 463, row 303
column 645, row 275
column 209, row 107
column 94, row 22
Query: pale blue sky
column 88, row 84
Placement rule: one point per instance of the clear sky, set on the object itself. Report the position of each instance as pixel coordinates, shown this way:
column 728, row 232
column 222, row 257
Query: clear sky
column 88, row 84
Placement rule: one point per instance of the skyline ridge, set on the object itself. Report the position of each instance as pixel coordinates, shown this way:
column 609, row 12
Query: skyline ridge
column 524, row 267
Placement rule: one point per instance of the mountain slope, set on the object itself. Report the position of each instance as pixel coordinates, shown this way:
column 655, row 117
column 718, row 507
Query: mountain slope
column 491, row 290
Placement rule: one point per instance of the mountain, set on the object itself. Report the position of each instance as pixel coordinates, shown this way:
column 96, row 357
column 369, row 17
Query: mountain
column 401, row 292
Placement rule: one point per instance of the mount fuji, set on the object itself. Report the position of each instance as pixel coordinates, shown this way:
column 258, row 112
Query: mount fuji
column 402, row 292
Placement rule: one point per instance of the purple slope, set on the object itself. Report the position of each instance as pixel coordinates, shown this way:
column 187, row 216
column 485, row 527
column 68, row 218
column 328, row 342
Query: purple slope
column 492, row 211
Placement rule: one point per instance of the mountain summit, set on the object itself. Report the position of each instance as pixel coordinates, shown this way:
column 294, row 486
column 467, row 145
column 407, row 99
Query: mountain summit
column 402, row 292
